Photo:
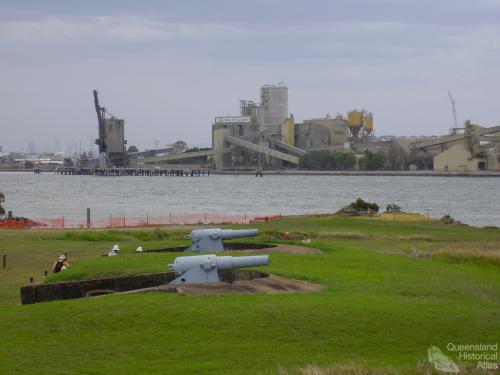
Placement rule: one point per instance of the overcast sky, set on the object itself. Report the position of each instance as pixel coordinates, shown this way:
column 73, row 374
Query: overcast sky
column 169, row 67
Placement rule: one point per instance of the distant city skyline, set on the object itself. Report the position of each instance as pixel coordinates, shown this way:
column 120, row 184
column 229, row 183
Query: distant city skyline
column 168, row 67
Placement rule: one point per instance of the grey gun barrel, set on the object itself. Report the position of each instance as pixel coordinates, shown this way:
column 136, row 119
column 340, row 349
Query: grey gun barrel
column 205, row 268
column 227, row 234
column 206, row 240
column 229, row 263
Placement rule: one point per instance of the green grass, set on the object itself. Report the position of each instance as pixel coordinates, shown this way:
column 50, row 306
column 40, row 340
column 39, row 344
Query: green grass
column 379, row 308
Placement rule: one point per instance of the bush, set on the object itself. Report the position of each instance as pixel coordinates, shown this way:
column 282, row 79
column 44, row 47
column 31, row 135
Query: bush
column 360, row 205
column 447, row 219
column 393, row 207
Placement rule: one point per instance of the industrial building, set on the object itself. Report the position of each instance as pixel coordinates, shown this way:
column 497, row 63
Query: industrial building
column 265, row 134
column 256, row 136
column 111, row 141
column 321, row 133
column 475, row 149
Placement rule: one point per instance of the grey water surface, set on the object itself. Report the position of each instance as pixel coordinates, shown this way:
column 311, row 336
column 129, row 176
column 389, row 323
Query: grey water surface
column 472, row 200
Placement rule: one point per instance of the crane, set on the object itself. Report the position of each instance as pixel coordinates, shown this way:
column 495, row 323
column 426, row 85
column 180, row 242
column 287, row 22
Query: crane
column 454, row 129
column 101, row 113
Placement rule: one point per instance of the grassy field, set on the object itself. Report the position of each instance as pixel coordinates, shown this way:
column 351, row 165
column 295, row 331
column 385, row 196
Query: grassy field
column 380, row 308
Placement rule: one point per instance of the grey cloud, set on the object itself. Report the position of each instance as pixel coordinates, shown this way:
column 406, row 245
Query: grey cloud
column 121, row 27
column 169, row 79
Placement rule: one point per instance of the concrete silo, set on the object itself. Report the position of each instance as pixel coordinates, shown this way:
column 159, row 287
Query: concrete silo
column 274, row 103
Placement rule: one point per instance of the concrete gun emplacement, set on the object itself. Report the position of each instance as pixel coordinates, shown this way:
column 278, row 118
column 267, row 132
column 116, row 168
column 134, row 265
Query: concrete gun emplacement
column 205, row 240
column 201, row 269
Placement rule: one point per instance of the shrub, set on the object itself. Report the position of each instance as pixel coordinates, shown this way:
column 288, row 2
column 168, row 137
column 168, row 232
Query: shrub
column 393, row 207
column 360, row 205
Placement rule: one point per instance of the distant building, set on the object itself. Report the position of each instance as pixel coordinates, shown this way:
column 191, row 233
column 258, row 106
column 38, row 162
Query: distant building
column 265, row 134
column 31, row 147
column 252, row 138
column 458, row 159
column 321, row 133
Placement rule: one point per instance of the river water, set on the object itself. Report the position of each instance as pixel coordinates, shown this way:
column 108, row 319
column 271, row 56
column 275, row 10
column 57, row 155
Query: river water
column 472, row 200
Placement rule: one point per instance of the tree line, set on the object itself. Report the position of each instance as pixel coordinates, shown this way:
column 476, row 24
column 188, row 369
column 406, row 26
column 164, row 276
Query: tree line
column 394, row 158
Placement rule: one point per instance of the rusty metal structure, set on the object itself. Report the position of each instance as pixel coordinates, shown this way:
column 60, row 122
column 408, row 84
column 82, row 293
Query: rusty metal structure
column 111, row 141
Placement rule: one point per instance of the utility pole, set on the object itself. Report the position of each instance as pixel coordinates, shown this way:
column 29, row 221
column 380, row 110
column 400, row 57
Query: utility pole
column 156, row 148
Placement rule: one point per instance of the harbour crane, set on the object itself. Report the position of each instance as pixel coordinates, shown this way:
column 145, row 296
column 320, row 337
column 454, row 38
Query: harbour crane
column 101, row 112
column 455, row 128
column 111, row 141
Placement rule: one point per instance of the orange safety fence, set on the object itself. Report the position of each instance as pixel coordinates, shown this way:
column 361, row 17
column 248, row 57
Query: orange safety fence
column 123, row 221
column 261, row 219
column 20, row 222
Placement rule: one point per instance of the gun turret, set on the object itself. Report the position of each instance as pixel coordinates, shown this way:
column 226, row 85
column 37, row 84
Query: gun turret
column 200, row 269
column 211, row 239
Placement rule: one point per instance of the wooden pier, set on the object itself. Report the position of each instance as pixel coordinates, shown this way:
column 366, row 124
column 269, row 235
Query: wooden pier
column 72, row 171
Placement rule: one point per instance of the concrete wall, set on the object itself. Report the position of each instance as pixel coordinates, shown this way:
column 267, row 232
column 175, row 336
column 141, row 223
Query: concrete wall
column 114, row 135
column 339, row 132
column 219, row 132
column 222, row 158
column 78, row 289
column 317, row 133
column 85, row 288
column 492, row 162
column 456, row 159
column 288, row 131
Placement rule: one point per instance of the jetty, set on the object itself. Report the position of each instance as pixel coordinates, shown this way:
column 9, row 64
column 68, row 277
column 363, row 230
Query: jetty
column 73, row 171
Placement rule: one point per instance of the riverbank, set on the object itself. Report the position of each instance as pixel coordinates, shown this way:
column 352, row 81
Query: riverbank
column 291, row 172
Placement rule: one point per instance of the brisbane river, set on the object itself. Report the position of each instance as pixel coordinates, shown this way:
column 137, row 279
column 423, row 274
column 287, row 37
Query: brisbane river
column 472, row 200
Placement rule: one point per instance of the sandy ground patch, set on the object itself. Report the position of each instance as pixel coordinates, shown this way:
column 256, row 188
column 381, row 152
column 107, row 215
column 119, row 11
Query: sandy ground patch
column 269, row 285
column 272, row 284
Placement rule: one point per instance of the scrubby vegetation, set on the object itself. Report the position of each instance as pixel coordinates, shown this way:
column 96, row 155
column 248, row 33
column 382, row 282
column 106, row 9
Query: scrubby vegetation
column 393, row 207
column 372, row 161
column 447, row 219
column 359, row 206
column 326, row 160
column 393, row 158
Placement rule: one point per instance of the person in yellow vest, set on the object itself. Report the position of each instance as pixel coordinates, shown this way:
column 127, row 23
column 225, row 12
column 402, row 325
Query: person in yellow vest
column 61, row 264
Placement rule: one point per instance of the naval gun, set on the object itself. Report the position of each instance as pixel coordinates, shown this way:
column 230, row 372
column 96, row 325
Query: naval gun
column 201, row 269
column 211, row 239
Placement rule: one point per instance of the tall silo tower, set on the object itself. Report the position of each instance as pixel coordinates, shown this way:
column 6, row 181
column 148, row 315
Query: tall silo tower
column 274, row 102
